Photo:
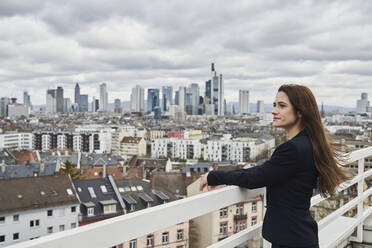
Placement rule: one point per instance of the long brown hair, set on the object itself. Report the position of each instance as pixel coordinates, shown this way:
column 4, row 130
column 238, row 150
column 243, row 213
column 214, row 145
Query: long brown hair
column 326, row 156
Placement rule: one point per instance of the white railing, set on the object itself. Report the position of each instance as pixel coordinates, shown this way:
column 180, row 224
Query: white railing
column 120, row 229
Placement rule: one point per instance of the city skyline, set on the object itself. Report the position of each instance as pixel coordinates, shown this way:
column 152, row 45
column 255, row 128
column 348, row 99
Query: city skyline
column 257, row 47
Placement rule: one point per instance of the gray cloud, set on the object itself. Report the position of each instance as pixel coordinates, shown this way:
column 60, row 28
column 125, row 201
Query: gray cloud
column 256, row 45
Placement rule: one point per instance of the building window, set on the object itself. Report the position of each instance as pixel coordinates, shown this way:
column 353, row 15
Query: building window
column 61, row 228
column 239, row 209
column 150, row 240
column 50, row 229
column 254, row 220
column 133, row 243
column 16, row 217
column 2, row 219
column 90, row 211
column 2, row 238
column 223, row 212
column 50, row 213
column 109, row 209
column 73, row 225
column 179, row 234
column 15, row 236
column 73, row 209
column 223, row 228
column 34, row 223
column 165, row 237
column 254, row 207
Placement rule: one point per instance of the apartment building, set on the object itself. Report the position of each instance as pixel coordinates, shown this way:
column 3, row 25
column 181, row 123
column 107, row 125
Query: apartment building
column 15, row 140
column 215, row 226
column 176, row 148
column 131, row 146
column 221, row 150
column 49, row 206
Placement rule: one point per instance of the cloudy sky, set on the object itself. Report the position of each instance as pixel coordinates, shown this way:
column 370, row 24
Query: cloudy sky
column 256, row 45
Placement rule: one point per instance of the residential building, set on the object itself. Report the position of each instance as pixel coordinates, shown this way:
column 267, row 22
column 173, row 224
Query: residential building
column 139, row 195
column 176, row 148
column 15, row 140
column 221, row 150
column 130, row 146
column 215, row 226
column 49, row 206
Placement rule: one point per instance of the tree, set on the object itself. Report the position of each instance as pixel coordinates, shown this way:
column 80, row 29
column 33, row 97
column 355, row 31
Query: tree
column 69, row 168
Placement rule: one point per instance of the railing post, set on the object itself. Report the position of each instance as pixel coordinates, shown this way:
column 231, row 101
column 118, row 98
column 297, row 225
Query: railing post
column 266, row 244
column 359, row 237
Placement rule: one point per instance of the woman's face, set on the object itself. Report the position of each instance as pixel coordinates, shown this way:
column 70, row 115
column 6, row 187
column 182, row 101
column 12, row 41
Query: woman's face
column 283, row 112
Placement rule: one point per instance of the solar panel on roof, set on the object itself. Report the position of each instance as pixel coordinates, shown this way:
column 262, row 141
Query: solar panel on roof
column 91, row 192
column 145, row 197
column 160, row 194
column 129, row 199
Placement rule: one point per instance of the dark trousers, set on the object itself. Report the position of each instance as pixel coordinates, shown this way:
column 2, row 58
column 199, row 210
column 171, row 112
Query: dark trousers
column 284, row 246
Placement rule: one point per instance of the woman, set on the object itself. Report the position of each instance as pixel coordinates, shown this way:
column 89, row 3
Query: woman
column 297, row 166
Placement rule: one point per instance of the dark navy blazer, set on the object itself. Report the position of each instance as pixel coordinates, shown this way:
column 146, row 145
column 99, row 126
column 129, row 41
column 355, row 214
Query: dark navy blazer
column 289, row 176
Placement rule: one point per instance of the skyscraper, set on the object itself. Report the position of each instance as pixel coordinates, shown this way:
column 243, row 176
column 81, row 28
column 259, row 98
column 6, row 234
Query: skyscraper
column 26, row 99
column 217, row 92
column 137, row 99
column 103, row 99
column 66, row 105
column 59, row 99
column 182, row 98
column 95, row 104
column 260, row 106
column 117, row 106
column 208, row 91
column 194, row 88
column 51, row 101
column 83, row 103
column 167, row 97
column 4, row 102
column 243, row 101
column 152, row 99
column 77, row 96
column 363, row 103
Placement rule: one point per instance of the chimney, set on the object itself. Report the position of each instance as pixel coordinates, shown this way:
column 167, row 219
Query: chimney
column 104, row 170
column 153, row 183
column 42, row 166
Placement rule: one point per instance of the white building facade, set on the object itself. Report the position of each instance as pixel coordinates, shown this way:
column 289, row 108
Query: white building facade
column 176, row 148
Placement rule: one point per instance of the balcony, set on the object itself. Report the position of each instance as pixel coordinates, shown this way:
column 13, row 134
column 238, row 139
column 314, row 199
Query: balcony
column 334, row 230
column 240, row 217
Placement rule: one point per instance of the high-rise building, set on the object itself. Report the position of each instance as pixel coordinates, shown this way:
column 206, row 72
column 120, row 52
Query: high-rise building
column 188, row 102
column 66, row 105
column 83, row 103
column 176, row 97
column 195, row 98
column 4, row 102
column 51, row 101
column 26, row 99
column 59, row 99
column 95, row 104
column 117, row 106
column 260, row 106
column 182, row 97
column 137, row 99
column 243, row 101
column 363, row 103
column 103, row 99
column 77, row 97
column 217, row 92
column 152, row 99
column 167, row 97
column 208, row 92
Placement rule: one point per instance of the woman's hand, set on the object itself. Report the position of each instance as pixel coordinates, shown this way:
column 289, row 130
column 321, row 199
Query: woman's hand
column 204, row 182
